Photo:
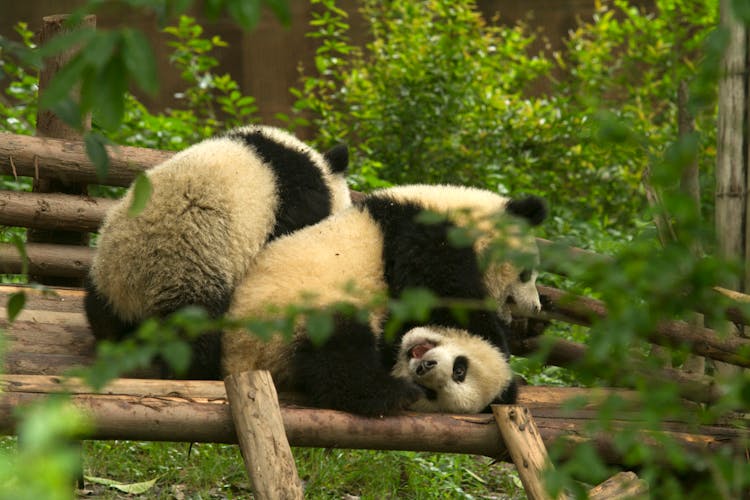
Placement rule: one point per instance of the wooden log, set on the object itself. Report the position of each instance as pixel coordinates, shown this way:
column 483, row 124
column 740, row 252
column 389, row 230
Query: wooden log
column 621, row 486
column 57, row 299
column 547, row 401
column 42, row 364
column 196, row 419
column 188, row 389
column 52, row 211
column 526, row 448
column 47, row 259
column 700, row 340
column 260, row 432
column 67, row 160
column 568, row 354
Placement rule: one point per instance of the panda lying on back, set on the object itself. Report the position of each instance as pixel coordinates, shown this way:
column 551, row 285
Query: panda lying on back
column 212, row 208
column 381, row 246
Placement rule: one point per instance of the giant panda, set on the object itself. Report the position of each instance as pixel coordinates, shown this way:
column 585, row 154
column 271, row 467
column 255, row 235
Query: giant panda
column 212, row 208
column 380, row 247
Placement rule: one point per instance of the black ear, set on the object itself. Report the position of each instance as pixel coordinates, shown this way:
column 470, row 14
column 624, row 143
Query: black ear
column 338, row 158
column 531, row 208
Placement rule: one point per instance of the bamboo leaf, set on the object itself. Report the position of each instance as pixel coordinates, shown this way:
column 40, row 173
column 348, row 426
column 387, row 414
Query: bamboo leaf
column 319, row 326
column 177, row 355
column 21, row 247
column 245, row 12
column 108, row 90
column 741, row 9
column 141, row 194
column 281, row 10
column 140, row 61
column 131, row 488
column 15, row 305
column 97, row 153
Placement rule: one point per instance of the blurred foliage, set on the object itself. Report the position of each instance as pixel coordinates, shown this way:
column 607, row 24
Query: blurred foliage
column 47, row 460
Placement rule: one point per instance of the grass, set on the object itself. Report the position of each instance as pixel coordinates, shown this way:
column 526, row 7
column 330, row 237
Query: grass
column 209, row 471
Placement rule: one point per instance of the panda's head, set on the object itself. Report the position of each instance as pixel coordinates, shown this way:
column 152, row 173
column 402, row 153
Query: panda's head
column 512, row 278
column 278, row 147
column 460, row 372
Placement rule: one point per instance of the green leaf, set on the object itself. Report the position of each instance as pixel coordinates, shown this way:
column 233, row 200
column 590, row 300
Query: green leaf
column 141, row 194
column 418, row 302
column 131, row 488
column 67, row 41
column 319, row 326
column 15, row 305
column 68, row 111
column 430, row 217
column 245, row 12
column 281, row 10
column 61, row 86
column 107, row 93
column 177, row 354
column 21, row 247
column 97, row 153
column 140, row 61
column 101, row 48
column 212, row 8
column 741, row 9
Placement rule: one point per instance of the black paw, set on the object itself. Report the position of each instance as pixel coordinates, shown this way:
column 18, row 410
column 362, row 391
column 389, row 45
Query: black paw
column 394, row 396
column 546, row 302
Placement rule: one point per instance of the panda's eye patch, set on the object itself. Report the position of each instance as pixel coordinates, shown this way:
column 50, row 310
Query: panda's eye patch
column 525, row 275
column 460, row 367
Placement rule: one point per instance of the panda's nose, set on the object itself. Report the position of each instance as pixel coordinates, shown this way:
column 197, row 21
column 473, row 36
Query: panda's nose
column 425, row 366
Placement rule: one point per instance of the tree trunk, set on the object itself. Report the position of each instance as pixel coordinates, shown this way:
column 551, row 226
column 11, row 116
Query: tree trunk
column 49, row 125
column 731, row 155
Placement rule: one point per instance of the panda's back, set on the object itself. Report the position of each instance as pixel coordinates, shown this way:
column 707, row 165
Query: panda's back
column 211, row 209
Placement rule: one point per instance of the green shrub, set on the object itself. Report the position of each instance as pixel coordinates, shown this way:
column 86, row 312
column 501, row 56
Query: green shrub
column 438, row 95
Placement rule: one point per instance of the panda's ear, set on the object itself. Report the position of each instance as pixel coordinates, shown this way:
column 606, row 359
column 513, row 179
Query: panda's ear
column 338, row 158
column 531, row 208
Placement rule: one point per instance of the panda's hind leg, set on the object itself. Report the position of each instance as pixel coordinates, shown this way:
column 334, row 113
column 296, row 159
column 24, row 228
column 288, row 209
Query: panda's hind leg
column 104, row 322
column 345, row 373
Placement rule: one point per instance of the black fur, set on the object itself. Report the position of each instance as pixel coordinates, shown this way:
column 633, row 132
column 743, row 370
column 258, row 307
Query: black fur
column 105, row 324
column 531, row 208
column 304, row 198
column 206, row 349
column 346, row 374
column 508, row 396
column 417, row 254
column 338, row 158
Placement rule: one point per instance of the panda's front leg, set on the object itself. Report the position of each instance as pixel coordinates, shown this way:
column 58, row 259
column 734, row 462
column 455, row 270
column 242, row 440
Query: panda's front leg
column 345, row 373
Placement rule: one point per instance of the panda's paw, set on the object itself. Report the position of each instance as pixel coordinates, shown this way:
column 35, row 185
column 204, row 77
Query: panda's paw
column 394, row 396
column 546, row 301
